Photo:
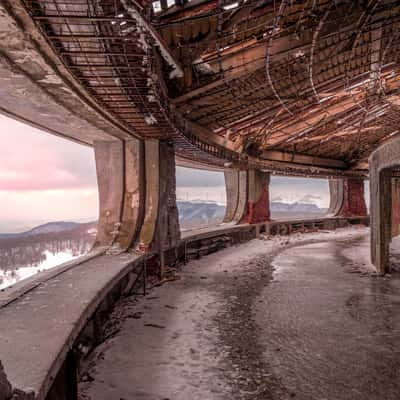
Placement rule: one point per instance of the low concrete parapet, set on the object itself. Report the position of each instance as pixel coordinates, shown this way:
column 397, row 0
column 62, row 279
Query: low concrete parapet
column 291, row 226
column 68, row 307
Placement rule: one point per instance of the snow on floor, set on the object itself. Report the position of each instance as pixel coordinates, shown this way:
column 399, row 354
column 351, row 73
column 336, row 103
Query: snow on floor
column 360, row 255
column 233, row 256
column 169, row 344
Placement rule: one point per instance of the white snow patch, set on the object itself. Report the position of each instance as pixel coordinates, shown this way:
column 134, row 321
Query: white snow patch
column 150, row 119
column 8, row 278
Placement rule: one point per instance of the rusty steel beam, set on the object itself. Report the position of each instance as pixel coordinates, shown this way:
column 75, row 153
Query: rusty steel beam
column 99, row 53
column 74, row 36
column 106, row 66
column 70, row 17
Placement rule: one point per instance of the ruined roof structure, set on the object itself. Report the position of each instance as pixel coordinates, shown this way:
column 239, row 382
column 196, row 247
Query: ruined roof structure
column 269, row 83
column 248, row 87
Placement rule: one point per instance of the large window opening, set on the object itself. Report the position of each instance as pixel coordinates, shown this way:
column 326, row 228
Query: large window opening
column 48, row 201
column 293, row 197
column 201, row 197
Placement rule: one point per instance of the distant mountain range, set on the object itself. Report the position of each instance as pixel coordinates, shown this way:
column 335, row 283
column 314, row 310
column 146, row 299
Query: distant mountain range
column 50, row 227
column 199, row 213
column 192, row 213
column 297, row 207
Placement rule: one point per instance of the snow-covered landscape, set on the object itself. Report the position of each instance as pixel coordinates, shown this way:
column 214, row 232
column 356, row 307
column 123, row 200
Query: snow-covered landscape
column 43, row 247
column 48, row 245
column 10, row 277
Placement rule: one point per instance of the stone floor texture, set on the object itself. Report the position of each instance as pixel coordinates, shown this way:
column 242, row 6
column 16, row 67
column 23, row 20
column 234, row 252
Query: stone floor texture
column 301, row 317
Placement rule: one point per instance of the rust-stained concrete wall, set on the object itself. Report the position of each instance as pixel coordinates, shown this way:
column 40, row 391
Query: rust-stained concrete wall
column 120, row 169
column 347, row 197
column 258, row 209
column 247, row 195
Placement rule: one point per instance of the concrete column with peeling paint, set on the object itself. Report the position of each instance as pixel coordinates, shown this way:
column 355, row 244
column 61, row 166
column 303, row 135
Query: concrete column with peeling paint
column 160, row 230
column 232, row 194
column 380, row 215
column 347, row 197
column 137, row 198
column 247, row 196
column 119, row 166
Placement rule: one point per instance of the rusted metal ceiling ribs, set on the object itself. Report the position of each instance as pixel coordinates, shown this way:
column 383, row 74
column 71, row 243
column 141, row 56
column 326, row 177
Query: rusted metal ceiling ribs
column 229, row 80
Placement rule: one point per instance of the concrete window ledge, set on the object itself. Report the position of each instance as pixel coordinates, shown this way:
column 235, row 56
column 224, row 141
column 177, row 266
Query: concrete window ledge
column 44, row 318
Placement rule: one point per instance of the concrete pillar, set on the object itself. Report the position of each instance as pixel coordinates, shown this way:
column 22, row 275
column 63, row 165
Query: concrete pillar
column 380, row 212
column 336, row 196
column 236, row 195
column 347, row 197
column 258, row 197
column 243, row 190
column 395, row 207
column 382, row 162
column 247, row 196
column 232, row 194
column 119, row 166
column 160, row 229
column 137, row 199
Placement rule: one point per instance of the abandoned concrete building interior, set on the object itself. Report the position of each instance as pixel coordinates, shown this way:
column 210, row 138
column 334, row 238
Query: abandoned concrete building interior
column 305, row 309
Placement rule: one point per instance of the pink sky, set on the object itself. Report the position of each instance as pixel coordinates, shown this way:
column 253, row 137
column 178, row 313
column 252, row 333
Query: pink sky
column 43, row 178
column 46, row 178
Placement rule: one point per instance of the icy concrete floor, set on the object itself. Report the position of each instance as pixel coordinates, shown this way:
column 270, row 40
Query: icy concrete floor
column 299, row 317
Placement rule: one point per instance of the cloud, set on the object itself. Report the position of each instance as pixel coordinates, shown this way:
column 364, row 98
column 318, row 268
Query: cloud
column 43, row 178
column 189, row 177
column 35, row 160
